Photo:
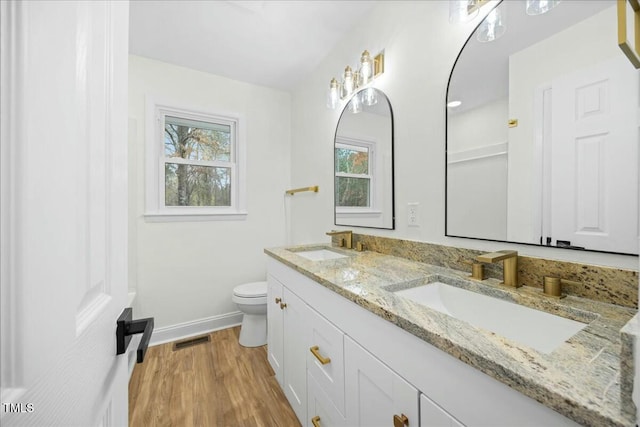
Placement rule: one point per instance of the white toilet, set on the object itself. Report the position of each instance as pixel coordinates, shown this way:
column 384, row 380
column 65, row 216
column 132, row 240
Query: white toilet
column 252, row 301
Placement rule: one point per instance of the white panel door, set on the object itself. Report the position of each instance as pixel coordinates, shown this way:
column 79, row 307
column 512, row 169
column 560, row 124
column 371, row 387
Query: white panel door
column 275, row 331
column 594, row 157
column 64, row 211
column 374, row 393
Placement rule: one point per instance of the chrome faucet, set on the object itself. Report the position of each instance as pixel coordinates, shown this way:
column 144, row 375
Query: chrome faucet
column 346, row 241
column 510, row 271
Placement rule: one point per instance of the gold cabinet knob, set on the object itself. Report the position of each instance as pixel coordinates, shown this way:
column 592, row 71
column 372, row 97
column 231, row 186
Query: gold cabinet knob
column 315, row 421
column 278, row 300
column 283, row 305
column 400, row 420
column 316, row 352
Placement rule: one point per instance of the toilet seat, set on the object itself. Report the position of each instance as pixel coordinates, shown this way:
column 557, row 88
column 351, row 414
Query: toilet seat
column 254, row 293
column 251, row 290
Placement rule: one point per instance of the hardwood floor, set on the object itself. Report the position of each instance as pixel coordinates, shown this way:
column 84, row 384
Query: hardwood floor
column 218, row 383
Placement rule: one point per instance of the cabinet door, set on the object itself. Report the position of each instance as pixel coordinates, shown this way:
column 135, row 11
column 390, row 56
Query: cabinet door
column 275, row 332
column 432, row 415
column 325, row 358
column 374, row 393
column 321, row 411
column 296, row 331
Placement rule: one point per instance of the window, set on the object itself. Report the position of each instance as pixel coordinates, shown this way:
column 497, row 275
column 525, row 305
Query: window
column 193, row 164
column 354, row 175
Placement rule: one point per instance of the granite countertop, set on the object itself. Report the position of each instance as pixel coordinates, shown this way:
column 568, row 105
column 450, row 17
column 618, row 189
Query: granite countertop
column 587, row 378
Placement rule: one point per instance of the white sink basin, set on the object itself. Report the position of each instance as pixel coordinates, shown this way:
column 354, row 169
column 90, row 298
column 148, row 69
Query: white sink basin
column 320, row 254
column 537, row 329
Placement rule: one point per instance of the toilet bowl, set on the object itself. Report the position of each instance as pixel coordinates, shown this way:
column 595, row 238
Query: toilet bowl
column 251, row 299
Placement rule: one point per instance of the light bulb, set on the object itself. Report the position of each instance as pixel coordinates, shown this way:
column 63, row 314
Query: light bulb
column 366, row 67
column 355, row 105
column 538, row 7
column 493, row 26
column 348, row 84
column 334, row 95
column 369, row 97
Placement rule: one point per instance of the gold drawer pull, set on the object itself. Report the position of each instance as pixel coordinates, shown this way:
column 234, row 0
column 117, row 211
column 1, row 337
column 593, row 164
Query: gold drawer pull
column 400, row 420
column 278, row 300
column 316, row 352
column 315, row 421
column 283, row 305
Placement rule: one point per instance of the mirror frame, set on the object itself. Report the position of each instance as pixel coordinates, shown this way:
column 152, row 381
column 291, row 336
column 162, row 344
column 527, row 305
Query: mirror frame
column 393, row 196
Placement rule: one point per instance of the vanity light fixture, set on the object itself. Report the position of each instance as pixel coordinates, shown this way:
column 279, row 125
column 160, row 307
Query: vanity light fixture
column 494, row 25
column 367, row 71
column 538, row 7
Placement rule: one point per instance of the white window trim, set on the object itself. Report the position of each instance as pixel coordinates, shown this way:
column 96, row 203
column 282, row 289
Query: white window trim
column 155, row 210
column 359, row 212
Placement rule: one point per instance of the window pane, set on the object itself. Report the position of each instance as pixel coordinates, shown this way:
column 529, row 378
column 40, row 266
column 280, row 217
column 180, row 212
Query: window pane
column 352, row 160
column 196, row 140
column 352, row 192
column 190, row 185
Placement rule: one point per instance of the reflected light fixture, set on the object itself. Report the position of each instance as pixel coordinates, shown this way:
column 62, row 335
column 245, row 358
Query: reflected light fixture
column 368, row 97
column 493, row 26
column 454, row 104
column 538, row 7
column 366, row 72
column 464, row 10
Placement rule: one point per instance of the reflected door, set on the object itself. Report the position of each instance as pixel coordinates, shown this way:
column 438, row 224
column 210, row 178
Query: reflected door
column 594, row 158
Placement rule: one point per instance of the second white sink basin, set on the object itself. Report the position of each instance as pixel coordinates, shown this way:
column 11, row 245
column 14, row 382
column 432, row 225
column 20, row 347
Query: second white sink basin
column 320, row 254
column 537, row 329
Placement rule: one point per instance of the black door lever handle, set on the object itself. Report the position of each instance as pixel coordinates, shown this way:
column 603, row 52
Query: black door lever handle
column 125, row 327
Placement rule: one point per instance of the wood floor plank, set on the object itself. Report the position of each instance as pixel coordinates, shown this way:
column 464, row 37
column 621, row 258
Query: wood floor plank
column 217, row 383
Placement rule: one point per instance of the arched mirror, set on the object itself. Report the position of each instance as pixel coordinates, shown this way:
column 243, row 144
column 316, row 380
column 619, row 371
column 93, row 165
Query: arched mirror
column 542, row 132
column 363, row 168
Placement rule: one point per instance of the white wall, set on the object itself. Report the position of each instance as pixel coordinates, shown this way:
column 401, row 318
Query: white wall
column 477, row 171
column 420, row 48
column 186, row 271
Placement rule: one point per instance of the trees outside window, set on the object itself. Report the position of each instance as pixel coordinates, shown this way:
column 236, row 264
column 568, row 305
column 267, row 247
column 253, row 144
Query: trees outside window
column 193, row 163
column 353, row 175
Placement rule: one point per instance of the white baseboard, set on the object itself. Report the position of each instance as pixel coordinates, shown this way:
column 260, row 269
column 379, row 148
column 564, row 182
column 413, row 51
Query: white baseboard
column 195, row 327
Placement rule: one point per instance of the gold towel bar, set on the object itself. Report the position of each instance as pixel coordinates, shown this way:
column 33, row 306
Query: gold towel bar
column 298, row 190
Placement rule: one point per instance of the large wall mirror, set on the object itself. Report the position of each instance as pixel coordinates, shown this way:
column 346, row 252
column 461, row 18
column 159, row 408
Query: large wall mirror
column 542, row 131
column 363, row 153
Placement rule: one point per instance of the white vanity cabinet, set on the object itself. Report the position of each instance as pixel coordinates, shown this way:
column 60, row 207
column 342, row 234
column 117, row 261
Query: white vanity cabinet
column 376, row 395
column 387, row 371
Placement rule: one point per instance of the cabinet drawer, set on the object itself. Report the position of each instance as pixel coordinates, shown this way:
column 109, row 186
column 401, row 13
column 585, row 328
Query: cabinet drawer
column 321, row 411
column 325, row 358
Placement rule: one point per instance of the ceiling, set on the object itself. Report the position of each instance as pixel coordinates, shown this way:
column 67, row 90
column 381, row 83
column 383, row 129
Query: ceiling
column 269, row 43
